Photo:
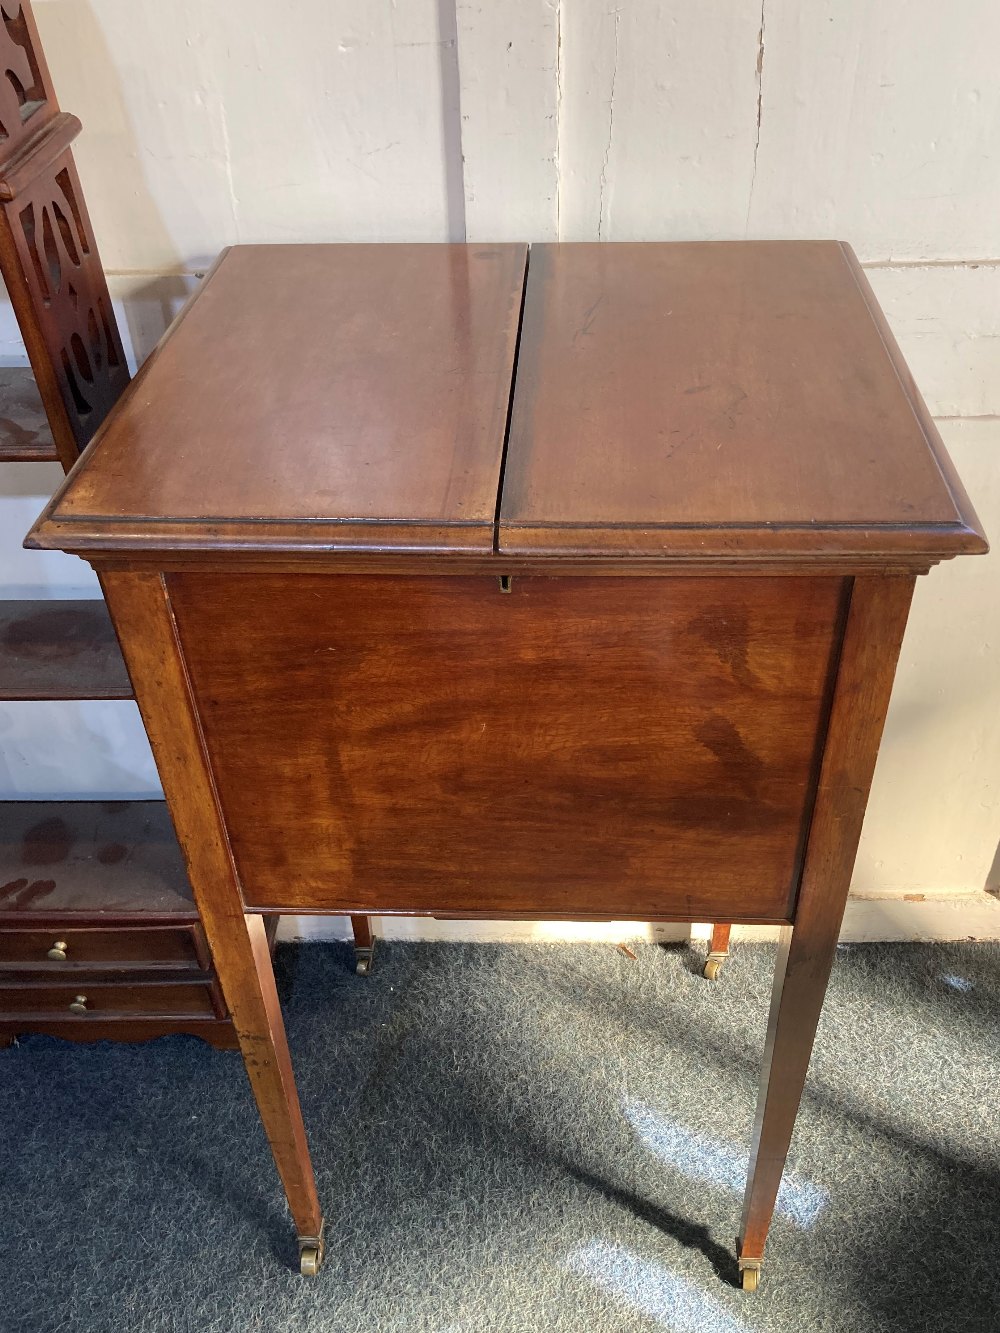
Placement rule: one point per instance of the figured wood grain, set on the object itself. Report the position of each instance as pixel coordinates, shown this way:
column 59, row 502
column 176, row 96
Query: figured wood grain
column 632, row 748
column 716, row 397
column 873, row 634
column 352, row 389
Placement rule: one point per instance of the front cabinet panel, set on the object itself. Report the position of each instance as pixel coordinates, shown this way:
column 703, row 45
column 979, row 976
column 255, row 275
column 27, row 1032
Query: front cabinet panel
column 623, row 747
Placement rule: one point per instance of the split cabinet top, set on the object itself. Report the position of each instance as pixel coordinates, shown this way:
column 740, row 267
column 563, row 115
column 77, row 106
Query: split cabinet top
column 690, row 403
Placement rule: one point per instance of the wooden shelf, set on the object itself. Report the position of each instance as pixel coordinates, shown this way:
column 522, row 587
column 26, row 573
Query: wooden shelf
column 60, row 650
column 102, row 860
column 24, row 428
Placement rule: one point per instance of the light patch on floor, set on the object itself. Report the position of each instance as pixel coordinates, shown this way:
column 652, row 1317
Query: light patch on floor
column 652, row 1290
column 719, row 1163
column 962, row 984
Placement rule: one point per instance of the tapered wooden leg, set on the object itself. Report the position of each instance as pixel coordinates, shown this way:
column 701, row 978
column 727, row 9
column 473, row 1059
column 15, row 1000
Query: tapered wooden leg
column 364, row 944
column 874, row 624
column 718, row 951
column 800, row 980
column 253, row 999
column 238, row 940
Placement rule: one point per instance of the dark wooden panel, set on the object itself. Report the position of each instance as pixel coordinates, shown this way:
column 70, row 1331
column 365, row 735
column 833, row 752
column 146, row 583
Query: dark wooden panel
column 103, row 1000
column 48, row 253
column 27, row 99
column 25, row 436
column 153, row 946
column 577, row 746
column 219, row 1033
column 357, row 393
column 89, row 859
column 54, row 277
column 717, row 397
column 60, row 650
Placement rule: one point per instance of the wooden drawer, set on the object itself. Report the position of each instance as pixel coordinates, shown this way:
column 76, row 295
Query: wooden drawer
column 106, row 1001
column 572, row 747
column 149, row 948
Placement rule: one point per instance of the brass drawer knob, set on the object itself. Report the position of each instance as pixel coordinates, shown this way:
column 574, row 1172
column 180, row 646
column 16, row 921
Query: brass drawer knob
column 58, row 951
column 79, row 1005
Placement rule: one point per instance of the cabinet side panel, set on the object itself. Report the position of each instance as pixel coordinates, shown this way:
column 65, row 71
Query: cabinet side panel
column 577, row 747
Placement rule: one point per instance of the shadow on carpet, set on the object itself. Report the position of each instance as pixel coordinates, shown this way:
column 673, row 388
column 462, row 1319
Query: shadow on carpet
column 521, row 1137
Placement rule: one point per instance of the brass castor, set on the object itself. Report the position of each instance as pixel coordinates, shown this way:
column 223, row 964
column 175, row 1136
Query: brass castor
column 363, row 959
column 310, row 1255
column 749, row 1277
column 713, row 966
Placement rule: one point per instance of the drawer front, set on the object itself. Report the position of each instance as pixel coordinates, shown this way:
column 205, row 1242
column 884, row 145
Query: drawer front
column 617, row 747
column 83, row 1000
column 60, row 949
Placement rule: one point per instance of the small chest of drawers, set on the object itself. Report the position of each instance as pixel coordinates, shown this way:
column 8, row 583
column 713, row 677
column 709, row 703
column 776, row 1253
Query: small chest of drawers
column 95, row 946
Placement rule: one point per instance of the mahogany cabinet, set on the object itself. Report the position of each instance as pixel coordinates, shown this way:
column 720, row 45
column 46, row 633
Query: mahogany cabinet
column 458, row 580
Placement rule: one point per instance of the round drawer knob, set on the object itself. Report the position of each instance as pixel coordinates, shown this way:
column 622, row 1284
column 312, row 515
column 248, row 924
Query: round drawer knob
column 58, row 951
column 79, row 1005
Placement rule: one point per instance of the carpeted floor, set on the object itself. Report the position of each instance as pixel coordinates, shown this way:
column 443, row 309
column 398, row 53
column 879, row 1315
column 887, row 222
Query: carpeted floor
column 513, row 1138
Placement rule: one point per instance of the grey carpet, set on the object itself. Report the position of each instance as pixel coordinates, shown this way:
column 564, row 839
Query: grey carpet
column 533, row 1137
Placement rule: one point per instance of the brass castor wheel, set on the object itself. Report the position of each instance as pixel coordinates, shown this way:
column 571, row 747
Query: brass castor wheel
column 749, row 1277
column 364, row 952
column 310, row 1258
column 712, row 968
column 310, row 1255
column 363, row 961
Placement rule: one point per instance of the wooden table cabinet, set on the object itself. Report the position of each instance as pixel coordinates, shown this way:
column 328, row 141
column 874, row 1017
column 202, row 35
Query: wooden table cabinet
column 459, row 584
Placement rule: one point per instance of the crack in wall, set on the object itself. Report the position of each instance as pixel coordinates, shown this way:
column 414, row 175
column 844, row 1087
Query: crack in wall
column 234, row 203
column 611, row 133
column 457, row 194
column 760, row 108
column 559, row 107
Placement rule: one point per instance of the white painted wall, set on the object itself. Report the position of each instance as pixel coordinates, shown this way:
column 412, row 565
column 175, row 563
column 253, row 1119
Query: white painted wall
column 432, row 120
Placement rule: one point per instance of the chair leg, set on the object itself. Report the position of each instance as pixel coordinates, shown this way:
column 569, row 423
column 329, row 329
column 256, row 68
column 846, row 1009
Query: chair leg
column 364, row 944
column 719, row 951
